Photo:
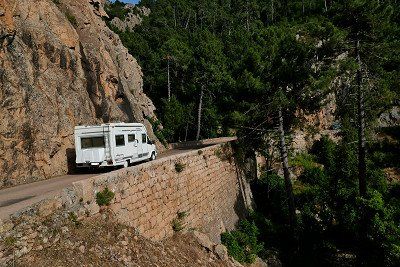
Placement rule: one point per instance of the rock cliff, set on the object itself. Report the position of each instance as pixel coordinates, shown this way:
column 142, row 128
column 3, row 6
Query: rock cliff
column 60, row 66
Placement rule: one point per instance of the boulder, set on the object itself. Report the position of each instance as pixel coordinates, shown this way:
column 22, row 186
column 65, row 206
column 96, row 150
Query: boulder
column 203, row 240
column 221, row 251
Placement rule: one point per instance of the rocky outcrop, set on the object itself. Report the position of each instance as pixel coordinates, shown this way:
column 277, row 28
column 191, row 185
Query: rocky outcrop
column 133, row 19
column 314, row 125
column 60, row 66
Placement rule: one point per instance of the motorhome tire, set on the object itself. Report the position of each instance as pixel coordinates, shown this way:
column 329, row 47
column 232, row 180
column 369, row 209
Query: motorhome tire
column 153, row 156
column 126, row 164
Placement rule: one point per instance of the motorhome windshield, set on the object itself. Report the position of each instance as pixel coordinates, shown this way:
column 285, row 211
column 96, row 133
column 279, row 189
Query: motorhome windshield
column 92, row 142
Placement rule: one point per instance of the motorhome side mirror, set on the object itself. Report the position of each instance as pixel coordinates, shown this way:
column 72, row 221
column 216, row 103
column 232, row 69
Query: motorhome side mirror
column 150, row 142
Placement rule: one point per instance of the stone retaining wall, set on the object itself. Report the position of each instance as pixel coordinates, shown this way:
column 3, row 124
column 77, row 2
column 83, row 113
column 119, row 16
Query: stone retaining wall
column 204, row 194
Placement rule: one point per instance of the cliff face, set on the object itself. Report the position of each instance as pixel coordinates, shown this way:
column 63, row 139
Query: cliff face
column 60, row 66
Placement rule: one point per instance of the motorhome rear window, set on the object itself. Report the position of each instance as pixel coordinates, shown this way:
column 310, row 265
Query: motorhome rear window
column 119, row 140
column 92, row 142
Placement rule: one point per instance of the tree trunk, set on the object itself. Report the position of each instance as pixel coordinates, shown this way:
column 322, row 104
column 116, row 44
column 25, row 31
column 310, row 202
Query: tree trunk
column 362, row 166
column 186, row 131
column 272, row 10
column 175, row 16
column 187, row 21
column 169, row 81
column 199, row 111
column 286, row 172
column 247, row 16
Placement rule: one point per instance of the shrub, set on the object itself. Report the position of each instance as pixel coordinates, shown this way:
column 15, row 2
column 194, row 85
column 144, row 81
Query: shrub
column 304, row 160
column 73, row 218
column 313, row 176
column 324, row 150
column 104, row 197
column 57, row 2
column 179, row 167
column 270, row 195
column 377, row 180
column 182, row 215
column 156, row 126
column 177, row 223
column 116, row 9
column 9, row 241
column 243, row 244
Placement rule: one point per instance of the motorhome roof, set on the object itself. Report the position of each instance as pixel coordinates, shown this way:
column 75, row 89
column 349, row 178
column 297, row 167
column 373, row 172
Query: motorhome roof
column 111, row 124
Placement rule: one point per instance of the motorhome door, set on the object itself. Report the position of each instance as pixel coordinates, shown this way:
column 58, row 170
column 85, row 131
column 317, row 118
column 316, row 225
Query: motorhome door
column 120, row 147
column 133, row 145
column 143, row 153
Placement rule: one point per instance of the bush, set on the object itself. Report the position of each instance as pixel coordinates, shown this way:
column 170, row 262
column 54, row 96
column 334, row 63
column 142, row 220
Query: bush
column 243, row 244
column 324, row 150
column 304, row 160
column 104, row 197
column 116, row 9
column 270, row 196
column 179, row 167
column 377, row 180
column 313, row 176
column 157, row 130
column 73, row 218
column 178, row 222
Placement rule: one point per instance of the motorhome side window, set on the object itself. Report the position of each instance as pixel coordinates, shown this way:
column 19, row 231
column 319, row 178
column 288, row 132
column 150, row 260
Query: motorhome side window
column 119, row 140
column 92, row 142
column 144, row 138
column 131, row 138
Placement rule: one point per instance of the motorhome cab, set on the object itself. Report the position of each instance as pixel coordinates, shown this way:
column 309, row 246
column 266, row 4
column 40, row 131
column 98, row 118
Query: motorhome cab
column 113, row 144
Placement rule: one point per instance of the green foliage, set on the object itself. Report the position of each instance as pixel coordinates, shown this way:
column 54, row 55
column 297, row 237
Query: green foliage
column 305, row 160
column 255, row 57
column 331, row 215
column 156, row 125
column 178, row 223
column 116, row 9
column 324, row 150
column 74, row 218
column 313, row 176
column 179, row 167
column 104, row 197
column 182, row 215
column 175, row 117
column 9, row 241
column 242, row 244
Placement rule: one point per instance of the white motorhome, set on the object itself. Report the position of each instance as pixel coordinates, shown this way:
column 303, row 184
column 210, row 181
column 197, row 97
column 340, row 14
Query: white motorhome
column 113, row 144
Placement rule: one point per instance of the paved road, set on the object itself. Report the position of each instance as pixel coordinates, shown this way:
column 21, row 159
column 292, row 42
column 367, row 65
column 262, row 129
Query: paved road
column 15, row 198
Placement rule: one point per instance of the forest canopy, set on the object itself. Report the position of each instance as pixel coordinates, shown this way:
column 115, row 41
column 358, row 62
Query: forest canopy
column 246, row 68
